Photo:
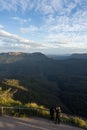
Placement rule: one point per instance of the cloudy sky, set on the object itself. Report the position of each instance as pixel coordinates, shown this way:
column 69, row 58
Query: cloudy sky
column 47, row 26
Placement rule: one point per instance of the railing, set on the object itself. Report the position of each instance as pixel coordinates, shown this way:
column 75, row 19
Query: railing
column 24, row 111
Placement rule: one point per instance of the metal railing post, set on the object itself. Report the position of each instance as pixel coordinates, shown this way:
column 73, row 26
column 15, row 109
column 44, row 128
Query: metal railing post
column 2, row 111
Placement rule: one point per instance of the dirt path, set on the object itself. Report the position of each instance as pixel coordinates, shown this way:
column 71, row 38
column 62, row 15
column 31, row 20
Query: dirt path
column 13, row 123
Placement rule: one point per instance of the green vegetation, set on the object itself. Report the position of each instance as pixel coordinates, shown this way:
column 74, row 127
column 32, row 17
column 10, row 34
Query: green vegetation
column 6, row 98
column 37, row 78
column 33, row 109
column 16, row 108
column 77, row 121
column 14, row 83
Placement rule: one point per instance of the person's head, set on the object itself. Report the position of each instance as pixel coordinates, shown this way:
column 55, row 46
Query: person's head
column 58, row 108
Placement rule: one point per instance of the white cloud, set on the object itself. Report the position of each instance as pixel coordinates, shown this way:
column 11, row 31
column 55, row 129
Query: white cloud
column 62, row 31
column 58, row 7
column 14, row 40
column 29, row 29
column 1, row 26
column 64, row 23
column 21, row 20
column 17, row 5
column 43, row 6
column 8, row 5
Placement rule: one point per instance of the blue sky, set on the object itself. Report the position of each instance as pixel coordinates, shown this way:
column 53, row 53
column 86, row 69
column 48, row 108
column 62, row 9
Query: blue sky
column 47, row 26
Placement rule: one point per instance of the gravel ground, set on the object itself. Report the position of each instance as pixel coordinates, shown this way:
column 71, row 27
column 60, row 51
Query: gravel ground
column 13, row 123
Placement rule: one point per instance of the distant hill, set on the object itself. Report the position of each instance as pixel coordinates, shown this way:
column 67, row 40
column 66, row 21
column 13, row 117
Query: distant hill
column 11, row 57
column 38, row 78
column 79, row 56
column 68, row 56
column 59, row 57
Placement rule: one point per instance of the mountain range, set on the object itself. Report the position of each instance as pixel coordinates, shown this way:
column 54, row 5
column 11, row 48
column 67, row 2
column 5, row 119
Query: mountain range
column 69, row 56
column 46, row 80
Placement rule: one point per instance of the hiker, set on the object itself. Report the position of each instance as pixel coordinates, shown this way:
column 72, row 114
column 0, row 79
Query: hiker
column 58, row 115
column 52, row 111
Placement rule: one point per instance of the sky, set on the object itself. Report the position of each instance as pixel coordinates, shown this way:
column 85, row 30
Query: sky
column 47, row 26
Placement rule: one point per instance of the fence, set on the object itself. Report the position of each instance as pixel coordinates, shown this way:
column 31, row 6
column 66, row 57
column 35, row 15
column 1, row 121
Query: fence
column 24, row 111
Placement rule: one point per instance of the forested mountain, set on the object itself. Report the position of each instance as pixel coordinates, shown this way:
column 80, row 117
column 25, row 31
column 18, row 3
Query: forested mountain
column 79, row 56
column 43, row 80
column 68, row 56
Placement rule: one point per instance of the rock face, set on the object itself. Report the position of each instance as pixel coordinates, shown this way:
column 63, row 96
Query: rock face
column 14, row 53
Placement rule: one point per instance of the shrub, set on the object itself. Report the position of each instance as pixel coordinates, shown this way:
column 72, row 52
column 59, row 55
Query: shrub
column 78, row 122
column 37, row 110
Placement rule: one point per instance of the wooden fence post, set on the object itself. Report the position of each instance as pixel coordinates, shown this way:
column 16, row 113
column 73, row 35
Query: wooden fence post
column 2, row 111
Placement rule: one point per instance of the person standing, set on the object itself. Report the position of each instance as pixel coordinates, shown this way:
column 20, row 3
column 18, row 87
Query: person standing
column 58, row 115
column 52, row 111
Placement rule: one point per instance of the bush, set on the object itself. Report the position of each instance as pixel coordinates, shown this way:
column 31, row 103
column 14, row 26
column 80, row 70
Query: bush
column 37, row 110
column 78, row 122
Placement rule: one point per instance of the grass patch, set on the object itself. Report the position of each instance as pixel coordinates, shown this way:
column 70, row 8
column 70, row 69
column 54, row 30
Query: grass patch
column 74, row 121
